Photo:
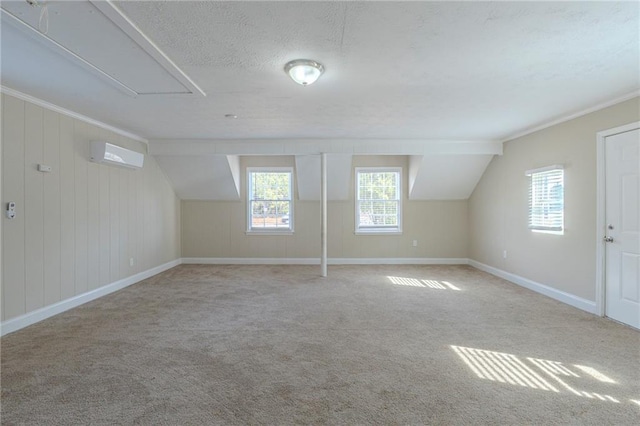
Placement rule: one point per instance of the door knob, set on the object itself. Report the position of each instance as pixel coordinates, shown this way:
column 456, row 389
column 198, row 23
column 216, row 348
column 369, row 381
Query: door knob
column 608, row 239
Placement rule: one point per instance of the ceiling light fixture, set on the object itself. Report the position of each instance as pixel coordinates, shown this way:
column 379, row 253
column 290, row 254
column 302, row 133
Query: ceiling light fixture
column 304, row 71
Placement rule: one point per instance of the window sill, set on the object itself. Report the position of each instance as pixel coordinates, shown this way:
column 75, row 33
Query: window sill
column 378, row 232
column 542, row 231
column 269, row 232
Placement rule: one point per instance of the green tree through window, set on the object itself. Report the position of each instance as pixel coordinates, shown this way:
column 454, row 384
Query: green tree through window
column 270, row 201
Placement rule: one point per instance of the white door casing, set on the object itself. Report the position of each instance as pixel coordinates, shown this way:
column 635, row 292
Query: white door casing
column 622, row 227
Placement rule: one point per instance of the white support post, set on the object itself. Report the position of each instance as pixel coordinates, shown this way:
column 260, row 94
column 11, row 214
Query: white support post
column 323, row 215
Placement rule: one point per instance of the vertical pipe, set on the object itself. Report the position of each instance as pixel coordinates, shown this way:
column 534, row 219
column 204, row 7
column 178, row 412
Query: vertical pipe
column 323, row 215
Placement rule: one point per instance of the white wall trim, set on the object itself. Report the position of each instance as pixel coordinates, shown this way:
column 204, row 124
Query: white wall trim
column 316, row 261
column 398, row 261
column 38, row 315
column 563, row 119
column 69, row 113
column 559, row 295
column 30, row 318
column 191, row 147
column 250, row 261
column 601, row 210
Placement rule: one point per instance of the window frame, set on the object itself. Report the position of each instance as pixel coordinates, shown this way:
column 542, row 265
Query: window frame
column 374, row 230
column 531, row 199
column 276, row 230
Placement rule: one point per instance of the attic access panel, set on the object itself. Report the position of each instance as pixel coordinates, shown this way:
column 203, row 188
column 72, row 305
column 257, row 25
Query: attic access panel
column 103, row 40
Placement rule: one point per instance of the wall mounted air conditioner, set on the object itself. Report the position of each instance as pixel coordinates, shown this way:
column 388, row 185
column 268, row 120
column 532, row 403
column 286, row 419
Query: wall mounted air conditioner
column 106, row 153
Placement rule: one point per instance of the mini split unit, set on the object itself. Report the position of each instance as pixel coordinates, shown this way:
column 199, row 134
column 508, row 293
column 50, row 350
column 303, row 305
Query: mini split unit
column 106, row 153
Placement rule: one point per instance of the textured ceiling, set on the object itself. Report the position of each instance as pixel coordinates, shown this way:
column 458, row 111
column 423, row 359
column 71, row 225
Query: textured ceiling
column 421, row 70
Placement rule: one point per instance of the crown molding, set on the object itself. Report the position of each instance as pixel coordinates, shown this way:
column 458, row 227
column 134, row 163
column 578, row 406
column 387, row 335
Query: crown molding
column 563, row 119
column 48, row 105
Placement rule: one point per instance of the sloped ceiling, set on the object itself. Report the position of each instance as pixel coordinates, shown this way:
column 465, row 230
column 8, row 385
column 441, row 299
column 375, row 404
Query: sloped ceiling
column 209, row 170
column 445, row 177
column 401, row 77
column 211, row 177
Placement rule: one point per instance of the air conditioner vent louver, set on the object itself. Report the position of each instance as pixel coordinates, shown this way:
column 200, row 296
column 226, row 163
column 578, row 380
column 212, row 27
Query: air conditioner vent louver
column 104, row 152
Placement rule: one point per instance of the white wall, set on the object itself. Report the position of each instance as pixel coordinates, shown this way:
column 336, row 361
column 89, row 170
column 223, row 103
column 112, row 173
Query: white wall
column 78, row 226
column 216, row 229
column 498, row 206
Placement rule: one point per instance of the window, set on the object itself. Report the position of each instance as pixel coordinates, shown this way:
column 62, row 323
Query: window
column 269, row 201
column 546, row 199
column 378, row 199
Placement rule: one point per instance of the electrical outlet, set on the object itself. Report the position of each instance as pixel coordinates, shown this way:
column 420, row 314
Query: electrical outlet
column 131, row 261
column 415, row 243
column 504, row 254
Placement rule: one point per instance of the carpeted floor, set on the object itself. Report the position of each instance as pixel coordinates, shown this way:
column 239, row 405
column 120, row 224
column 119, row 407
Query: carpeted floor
column 279, row 345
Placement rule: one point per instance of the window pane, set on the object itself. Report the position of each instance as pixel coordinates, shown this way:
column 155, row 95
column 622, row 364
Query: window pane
column 546, row 200
column 270, row 214
column 378, row 199
column 269, row 201
column 271, row 186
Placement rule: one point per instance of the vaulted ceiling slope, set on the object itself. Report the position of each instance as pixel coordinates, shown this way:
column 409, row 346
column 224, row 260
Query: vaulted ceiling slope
column 397, row 73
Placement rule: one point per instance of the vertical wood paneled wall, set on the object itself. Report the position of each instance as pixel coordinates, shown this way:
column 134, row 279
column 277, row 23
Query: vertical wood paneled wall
column 77, row 227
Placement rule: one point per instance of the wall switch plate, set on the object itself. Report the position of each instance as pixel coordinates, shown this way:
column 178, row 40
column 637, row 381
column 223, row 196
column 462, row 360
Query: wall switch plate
column 415, row 243
column 504, row 254
column 131, row 261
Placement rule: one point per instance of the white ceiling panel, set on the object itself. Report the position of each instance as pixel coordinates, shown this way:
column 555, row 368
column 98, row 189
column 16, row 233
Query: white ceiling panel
column 80, row 31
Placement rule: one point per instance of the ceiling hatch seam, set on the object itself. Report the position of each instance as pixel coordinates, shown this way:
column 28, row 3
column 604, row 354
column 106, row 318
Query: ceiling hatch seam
column 157, row 61
column 127, row 26
column 35, row 33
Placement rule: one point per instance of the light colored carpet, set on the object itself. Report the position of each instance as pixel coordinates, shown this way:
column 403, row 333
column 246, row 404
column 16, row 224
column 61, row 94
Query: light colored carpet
column 280, row 345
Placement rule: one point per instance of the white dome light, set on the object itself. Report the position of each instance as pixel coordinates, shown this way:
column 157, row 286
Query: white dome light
column 304, row 71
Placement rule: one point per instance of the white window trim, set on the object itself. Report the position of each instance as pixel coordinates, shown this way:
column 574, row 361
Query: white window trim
column 529, row 173
column 381, row 231
column 274, row 231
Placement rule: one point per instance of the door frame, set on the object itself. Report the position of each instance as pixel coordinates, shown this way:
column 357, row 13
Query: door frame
column 601, row 210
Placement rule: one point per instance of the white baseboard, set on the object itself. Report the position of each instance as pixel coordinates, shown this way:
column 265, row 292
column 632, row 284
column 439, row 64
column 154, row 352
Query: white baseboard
column 30, row 318
column 397, row 261
column 250, row 261
column 316, row 261
column 559, row 295
column 33, row 317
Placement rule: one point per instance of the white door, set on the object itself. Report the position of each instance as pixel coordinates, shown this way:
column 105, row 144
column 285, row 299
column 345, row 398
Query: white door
column 622, row 264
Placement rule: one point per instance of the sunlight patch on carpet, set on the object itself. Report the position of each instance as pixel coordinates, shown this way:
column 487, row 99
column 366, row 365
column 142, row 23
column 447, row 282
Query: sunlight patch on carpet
column 532, row 372
column 451, row 286
column 594, row 373
column 502, row 367
column 555, row 369
column 411, row 282
column 414, row 282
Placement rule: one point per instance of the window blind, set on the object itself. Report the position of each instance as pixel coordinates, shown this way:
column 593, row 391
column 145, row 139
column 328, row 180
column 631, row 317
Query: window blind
column 546, row 199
